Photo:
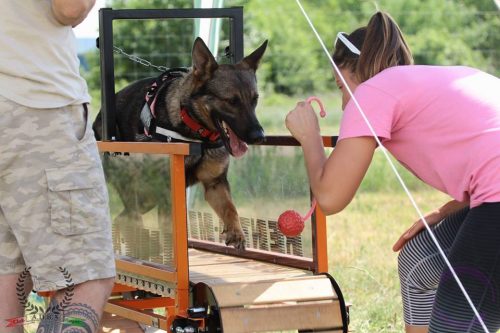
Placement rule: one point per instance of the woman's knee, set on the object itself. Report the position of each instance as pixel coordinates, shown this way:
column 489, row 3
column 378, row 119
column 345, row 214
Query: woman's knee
column 419, row 265
column 409, row 258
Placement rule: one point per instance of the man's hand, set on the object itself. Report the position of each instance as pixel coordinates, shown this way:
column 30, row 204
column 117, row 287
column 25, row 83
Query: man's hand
column 71, row 12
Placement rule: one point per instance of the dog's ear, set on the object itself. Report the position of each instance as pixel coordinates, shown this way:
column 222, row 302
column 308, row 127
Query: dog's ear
column 204, row 63
column 252, row 60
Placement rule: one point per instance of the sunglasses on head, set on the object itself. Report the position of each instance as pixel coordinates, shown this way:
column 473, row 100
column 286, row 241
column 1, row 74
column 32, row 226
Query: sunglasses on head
column 347, row 43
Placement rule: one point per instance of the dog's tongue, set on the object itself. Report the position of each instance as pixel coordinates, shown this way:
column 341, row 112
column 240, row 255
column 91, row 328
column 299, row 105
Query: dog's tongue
column 238, row 147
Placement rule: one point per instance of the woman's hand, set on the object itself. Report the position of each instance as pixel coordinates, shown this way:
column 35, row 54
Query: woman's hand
column 417, row 227
column 432, row 218
column 302, row 122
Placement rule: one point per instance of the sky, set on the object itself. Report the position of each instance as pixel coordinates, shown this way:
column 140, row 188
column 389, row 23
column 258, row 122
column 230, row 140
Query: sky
column 89, row 28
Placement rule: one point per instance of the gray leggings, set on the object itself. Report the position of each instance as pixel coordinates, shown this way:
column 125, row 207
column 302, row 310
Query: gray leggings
column 431, row 296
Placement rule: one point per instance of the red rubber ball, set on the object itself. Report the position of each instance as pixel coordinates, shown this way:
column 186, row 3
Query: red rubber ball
column 290, row 223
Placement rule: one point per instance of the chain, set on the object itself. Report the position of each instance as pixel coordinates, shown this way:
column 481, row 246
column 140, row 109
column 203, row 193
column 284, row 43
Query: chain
column 139, row 60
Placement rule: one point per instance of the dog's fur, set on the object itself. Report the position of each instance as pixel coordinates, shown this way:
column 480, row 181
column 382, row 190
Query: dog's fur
column 217, row 96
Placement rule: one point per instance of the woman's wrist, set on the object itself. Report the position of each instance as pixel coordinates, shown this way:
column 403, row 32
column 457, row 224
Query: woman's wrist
column 311, row 139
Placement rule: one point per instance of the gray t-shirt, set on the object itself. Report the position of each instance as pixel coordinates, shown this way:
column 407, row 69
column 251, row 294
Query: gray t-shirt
column 39, row 67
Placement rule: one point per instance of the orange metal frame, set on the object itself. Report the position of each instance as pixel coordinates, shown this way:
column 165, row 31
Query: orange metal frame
column 178, row 306
column 180, row 276
column 320, row 253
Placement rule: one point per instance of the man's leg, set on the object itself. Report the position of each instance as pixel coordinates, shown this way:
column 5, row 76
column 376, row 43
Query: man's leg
column 11, row 262
column 82, row 314
column 60, row 219
column 10, row 306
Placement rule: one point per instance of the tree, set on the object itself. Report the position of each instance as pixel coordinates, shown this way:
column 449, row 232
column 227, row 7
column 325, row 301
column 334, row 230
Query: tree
column 444, row 32
column 450, row 32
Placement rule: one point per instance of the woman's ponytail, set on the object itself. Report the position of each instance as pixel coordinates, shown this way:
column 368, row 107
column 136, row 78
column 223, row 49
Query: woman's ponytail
column 384, row 46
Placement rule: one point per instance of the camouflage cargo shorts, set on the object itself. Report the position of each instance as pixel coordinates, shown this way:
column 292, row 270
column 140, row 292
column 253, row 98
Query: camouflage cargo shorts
column 54, row 212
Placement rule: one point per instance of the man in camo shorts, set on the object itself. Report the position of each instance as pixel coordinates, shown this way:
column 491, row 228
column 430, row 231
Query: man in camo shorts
column 54, row 214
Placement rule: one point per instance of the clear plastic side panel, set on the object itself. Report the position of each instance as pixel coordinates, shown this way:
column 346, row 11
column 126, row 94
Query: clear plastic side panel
column 140, row 204
column 265, row 182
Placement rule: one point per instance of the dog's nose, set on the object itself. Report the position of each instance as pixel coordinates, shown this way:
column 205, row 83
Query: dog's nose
column 256, row 135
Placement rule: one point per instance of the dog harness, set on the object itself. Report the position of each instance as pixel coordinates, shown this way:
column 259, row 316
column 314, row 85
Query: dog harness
column 148, row 114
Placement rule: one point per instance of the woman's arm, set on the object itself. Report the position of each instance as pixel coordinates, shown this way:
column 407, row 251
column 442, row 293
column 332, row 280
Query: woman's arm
column 71, row 12
column 334, row 181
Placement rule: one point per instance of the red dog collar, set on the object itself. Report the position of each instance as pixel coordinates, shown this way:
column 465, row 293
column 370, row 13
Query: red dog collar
column 196, row 127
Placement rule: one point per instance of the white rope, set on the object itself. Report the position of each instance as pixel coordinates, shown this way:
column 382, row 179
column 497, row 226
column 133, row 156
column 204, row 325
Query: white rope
column 384, row 150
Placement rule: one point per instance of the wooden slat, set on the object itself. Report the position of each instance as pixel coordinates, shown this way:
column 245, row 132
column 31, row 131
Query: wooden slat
column 111, row 323
column 310, row 288
column 243, row 272
column 203, row 258
column 254, row 254
column 315, row 315
column 213, row 269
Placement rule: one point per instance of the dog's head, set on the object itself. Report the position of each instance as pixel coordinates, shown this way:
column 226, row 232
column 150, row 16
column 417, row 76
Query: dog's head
column 226, row 95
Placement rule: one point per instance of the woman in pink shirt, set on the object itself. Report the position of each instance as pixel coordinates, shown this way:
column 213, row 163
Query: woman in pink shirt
column 443, row 124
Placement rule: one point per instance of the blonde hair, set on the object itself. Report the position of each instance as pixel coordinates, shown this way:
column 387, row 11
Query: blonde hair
column 382, row 46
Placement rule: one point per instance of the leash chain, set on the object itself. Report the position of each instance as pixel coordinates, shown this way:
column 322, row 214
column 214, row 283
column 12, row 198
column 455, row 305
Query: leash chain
column 138, row 60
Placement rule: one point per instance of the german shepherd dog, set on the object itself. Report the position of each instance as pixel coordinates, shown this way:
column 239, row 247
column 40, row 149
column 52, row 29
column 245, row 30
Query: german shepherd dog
column 210, row 102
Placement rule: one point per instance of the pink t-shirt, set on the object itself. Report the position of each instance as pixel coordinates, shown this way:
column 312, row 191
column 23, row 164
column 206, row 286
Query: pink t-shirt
column 441, row 123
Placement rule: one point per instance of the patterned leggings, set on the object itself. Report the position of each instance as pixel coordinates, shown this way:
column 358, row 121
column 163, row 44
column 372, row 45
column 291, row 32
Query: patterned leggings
column 431, row 296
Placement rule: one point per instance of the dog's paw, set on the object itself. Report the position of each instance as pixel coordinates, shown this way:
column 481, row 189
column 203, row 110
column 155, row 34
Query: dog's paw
column 235, row 237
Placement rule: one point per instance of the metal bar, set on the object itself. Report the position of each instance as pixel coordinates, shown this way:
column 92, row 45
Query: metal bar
column 121, row 288
column 319, row 241
column 108, row 105
column 286, row 140
column 137, row 268
column 144, row 304
column 179, row 232
column 138, row 14
column 151, row 148
column 149, row 319
column 236, row 31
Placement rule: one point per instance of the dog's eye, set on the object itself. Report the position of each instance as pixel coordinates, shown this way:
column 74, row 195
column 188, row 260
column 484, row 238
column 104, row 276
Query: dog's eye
column 234, row 101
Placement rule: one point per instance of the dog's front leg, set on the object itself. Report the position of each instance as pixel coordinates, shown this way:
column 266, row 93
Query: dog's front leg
column 218, row 196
